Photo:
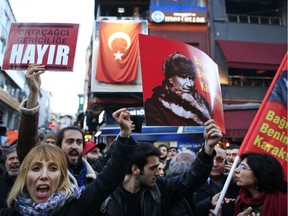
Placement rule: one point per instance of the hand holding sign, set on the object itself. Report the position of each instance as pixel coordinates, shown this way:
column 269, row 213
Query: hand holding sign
column 33, row 78
column 34, row 82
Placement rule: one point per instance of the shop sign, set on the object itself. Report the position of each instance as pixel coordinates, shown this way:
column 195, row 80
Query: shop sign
column 178, row 14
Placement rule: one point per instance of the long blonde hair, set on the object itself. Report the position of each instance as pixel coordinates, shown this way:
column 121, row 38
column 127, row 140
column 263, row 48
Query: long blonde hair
column 41, row 152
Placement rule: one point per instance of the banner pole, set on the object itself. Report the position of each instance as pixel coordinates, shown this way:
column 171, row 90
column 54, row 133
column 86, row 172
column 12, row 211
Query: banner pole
column 226, row 185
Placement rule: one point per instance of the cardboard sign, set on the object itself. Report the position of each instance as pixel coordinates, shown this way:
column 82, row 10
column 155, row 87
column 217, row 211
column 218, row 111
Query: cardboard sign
column 49, row 44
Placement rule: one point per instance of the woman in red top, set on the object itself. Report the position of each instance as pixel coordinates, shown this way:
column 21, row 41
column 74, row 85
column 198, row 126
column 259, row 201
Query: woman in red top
column 262, row 183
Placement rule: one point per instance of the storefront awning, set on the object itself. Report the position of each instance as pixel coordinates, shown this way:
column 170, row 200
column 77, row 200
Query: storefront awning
column 251, row 55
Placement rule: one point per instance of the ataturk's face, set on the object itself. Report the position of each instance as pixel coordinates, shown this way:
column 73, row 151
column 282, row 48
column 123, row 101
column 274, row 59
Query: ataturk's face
column 182, row 83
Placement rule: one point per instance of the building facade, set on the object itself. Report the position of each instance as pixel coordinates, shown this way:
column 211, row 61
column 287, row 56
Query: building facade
column 247, row 39
column 12, row 83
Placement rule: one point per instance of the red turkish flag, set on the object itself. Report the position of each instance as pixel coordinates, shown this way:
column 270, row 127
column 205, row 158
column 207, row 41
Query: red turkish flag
column 118, row 51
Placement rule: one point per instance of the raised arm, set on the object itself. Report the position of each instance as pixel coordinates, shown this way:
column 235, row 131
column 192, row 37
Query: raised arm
column 114, row 171
column 28, row 128
column 212, row 135
column 122, row 117
column 177, row 187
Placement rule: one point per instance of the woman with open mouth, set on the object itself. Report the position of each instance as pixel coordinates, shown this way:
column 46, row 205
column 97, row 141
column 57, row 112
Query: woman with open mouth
column 43, row 188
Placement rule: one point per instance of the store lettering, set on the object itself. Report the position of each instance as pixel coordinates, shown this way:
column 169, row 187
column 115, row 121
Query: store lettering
column 185, row 19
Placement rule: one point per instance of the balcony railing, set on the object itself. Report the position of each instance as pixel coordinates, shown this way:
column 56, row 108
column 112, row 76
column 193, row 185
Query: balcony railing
column 255, row 19
column 250, row 81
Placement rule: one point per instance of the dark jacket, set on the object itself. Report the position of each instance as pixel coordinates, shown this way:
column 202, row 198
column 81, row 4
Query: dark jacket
column 106, row 182
column 172, row 188
column 184, row 207
column 100, row 163
column 27, row 135
column 205, row 193
column 6, row 183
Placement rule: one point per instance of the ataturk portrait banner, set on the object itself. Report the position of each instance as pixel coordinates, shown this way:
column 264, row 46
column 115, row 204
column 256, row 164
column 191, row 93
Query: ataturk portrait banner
column 180, row 84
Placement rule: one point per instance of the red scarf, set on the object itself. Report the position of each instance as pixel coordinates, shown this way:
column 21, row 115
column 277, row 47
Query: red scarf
column 273, row 203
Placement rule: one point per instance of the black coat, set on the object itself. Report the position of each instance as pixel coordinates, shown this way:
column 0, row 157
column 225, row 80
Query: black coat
column 6, row 183
column 95, row 193
column 172, row 189
column 205, row 193
column 184, row 207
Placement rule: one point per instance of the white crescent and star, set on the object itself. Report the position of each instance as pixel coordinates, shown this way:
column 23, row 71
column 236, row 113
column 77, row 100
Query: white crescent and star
column 118, row 55
column 122, row 35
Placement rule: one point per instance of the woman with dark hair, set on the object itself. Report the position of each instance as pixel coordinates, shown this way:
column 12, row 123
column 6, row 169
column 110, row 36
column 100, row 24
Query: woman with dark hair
column 262, row 183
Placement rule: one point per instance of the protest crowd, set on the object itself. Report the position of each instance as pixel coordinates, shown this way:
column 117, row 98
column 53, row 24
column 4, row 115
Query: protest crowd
column 63, row 175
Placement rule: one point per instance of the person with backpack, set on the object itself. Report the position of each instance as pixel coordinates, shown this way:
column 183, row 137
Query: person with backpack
column 144, row 193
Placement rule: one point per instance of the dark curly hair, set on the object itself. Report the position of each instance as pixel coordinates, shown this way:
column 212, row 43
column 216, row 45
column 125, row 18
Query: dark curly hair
column 178, row 64
column 140, row 155
column 60, row 135
column 267, row 170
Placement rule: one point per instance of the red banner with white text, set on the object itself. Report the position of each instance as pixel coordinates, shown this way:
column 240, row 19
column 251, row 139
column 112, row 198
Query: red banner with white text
column 268, row 131
column 118, row 51
column 49, row 44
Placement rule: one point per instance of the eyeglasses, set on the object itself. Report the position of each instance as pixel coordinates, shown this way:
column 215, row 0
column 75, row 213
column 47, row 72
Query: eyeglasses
column 219, row 159
column 243, row 167
column 231, row 155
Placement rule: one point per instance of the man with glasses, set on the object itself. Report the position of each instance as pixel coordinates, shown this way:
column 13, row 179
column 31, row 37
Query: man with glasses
column 207, row 195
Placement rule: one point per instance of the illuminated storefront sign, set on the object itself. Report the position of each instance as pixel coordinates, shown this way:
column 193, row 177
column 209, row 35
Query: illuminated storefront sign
column 178, row 14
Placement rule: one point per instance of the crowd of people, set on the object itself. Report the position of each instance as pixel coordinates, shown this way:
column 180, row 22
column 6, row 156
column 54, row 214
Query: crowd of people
column 64, row 175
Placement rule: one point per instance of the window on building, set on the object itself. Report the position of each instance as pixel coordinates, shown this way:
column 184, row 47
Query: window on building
column 178, row 3
column 5, row 86
column 250, row 77
column 268, row 12
column 268, row 8
column 5, row 20
column 2, row 46
column 193, row 44
column 12, row 92
column 2, row 81
column 110, row 8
